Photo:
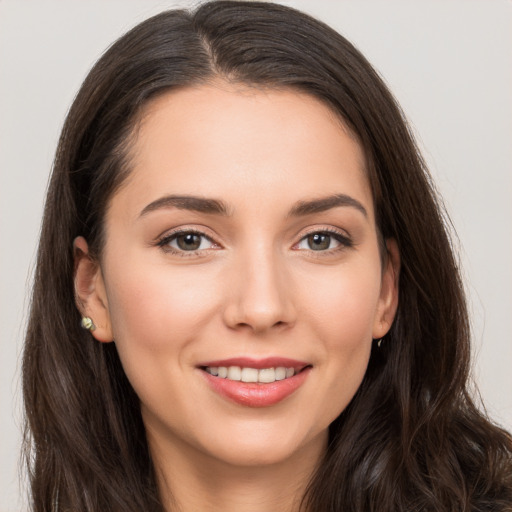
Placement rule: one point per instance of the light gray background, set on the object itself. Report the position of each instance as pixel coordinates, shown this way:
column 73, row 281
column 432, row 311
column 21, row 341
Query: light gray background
column 448, row 62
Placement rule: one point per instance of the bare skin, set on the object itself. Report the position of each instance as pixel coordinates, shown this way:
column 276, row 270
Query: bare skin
column 267, row 280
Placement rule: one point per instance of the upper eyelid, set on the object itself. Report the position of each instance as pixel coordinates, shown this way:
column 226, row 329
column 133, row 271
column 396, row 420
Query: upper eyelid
column 179, row 231
column 331, row 230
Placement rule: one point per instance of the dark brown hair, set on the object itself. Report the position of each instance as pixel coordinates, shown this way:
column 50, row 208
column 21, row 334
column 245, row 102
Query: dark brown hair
column 411, row 439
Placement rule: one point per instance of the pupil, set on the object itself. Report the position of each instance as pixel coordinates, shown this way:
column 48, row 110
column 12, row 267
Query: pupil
column 189, row 242
column 320, row 241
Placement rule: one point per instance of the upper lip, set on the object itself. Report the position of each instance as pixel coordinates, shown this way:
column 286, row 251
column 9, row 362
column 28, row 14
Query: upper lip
column 249, row 362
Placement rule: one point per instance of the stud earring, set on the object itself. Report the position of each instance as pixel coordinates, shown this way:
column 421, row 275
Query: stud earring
column 87, row 323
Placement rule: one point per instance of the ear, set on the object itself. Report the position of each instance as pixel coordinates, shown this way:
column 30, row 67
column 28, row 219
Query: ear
column 90, row 292
column 388, row 300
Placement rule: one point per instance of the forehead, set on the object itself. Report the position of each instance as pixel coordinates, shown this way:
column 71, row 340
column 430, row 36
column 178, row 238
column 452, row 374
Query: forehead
column 244, row 144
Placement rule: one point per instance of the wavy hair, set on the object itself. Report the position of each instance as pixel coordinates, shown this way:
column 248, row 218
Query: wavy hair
column 411, row 439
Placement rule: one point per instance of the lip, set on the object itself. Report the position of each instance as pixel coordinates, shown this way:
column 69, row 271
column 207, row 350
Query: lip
column 267, row 362
column 257, row 394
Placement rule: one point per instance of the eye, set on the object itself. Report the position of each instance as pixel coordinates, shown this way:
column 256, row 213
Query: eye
column 324, row 241
column 186, row 241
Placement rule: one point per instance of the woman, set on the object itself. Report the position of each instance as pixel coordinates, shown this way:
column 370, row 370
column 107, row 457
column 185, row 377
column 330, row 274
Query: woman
column 245, row 296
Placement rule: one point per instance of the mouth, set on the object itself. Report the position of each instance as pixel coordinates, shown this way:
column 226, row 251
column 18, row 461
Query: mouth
column 256, row 383
column 253, row 375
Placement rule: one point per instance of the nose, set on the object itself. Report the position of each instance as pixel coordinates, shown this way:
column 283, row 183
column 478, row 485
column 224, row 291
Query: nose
column 260, row 293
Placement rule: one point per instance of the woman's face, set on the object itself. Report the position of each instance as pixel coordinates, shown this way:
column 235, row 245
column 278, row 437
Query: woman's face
column 243, row 242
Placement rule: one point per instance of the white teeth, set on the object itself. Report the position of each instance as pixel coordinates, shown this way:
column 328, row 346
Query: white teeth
column 249, row 375
column 280, row 373
column 267, row 375
column 264, row 375
column 234, row 373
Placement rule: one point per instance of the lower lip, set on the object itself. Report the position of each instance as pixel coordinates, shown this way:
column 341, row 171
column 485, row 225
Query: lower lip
column 252, row 394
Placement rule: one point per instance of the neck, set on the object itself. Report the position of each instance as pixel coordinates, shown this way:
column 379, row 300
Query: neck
column 190, row 480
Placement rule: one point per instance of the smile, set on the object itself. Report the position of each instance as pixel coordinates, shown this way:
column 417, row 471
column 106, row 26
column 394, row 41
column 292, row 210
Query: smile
column 255, row 383
column 247, row 374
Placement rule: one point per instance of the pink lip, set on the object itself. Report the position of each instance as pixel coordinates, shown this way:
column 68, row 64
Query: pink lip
column 267, row 362
column 257, row 394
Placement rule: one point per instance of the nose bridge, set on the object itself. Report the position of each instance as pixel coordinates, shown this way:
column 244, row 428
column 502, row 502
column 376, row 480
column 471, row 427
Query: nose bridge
column 260, row 297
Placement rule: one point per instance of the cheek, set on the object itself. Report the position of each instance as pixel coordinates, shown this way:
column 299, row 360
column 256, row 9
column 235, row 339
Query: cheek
column 154, row 306
column 157, row 312
column 343, row 303
column 341, row 315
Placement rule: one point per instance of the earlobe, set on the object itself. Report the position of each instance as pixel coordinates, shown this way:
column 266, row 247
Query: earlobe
column 388, row 300
column 90, row 292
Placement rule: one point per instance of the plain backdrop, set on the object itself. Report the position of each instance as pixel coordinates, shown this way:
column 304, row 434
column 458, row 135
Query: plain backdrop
column 448, row 62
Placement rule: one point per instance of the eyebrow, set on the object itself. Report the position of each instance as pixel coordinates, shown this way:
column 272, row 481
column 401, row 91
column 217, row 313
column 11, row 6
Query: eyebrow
column 193, row 203
column 219, row 207
column 302, row 208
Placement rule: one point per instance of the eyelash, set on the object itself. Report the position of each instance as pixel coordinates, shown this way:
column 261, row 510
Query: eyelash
column 164, row 242
column 344, row 241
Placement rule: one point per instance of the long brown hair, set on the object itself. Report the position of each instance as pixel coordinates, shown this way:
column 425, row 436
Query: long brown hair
column 411, row 439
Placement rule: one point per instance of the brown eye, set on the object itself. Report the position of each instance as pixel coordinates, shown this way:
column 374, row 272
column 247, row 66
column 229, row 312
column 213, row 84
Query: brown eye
column 188, row 242
column 319, row 241
column 326, row 241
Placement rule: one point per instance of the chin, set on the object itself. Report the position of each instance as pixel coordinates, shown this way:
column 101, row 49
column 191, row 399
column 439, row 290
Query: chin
column 266, row 447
